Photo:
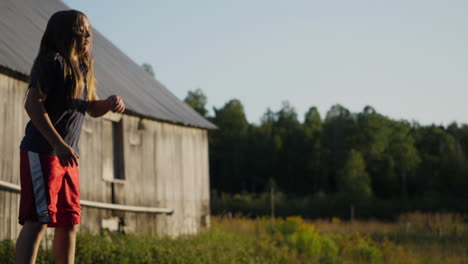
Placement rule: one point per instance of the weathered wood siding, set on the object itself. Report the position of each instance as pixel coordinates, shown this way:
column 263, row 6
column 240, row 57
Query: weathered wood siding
column 165, row 165
column 13, row 120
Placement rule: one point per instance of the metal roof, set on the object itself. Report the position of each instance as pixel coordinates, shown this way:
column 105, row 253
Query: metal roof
column 22, row 23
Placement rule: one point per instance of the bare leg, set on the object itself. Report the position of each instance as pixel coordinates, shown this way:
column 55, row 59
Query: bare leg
column 28, row 242
column 64, row 244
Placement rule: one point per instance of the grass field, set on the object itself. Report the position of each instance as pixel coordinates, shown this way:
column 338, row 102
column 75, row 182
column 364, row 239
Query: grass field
column 413, row 238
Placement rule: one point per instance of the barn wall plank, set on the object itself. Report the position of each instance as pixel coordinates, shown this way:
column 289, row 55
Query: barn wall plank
column 13, row 119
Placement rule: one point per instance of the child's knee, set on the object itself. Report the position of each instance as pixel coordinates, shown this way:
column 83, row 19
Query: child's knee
column 68, row 229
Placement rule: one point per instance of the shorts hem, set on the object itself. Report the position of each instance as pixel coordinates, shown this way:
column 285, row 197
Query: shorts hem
column 69, row 222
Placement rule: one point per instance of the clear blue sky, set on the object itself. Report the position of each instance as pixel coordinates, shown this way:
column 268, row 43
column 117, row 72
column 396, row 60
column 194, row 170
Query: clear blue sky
column 406, row 58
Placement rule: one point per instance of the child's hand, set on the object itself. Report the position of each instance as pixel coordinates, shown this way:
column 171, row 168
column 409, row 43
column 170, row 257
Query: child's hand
column 66, row 155
column 116, row 104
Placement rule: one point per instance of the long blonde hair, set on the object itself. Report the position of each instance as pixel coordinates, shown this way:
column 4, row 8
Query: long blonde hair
column 61, row 39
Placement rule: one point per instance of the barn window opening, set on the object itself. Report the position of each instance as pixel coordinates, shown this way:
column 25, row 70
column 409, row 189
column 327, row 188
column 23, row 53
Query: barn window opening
column 118, row 151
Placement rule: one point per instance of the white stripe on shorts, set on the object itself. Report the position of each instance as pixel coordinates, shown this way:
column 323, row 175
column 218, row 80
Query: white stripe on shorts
column 39, row 189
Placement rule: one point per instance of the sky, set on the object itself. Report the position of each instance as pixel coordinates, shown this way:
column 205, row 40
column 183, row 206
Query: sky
column 406, row 58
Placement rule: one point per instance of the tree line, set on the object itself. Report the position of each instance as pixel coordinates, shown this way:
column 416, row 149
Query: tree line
column 360, row 156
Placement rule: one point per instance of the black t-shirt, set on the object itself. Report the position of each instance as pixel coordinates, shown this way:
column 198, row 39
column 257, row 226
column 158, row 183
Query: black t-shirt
column 66, row 115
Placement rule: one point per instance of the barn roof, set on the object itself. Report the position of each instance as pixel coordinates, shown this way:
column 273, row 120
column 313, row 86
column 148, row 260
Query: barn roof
column 22, row 23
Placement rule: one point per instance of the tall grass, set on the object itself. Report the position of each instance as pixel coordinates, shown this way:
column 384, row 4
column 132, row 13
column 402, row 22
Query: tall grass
column 413, row 238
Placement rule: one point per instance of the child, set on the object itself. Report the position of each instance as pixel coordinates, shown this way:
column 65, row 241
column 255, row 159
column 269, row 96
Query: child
column 62, row 89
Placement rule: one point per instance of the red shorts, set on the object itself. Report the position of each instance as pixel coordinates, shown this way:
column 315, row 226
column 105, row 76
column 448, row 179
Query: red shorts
column 50, row 192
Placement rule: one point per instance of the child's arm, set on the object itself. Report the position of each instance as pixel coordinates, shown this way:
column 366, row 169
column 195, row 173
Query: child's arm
column 101, row 107
column 39, row 117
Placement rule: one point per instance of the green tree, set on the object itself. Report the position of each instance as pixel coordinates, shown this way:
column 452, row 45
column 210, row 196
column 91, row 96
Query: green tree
column 460, row 157
column 373, row 141
column 197, row 100
column 389, row 151
column 353, row 180
column 290, row 166
column 312, row 129
column 443, row 164
column 403, row 151
column 312, row 119
column 228, row 148
column 337, row 111
column 373, row 133
column 149, row 69
column 262, row 153
column 286, row 117
column 338, row 137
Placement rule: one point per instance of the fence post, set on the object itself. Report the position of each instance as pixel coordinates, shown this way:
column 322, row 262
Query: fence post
column 272, row 202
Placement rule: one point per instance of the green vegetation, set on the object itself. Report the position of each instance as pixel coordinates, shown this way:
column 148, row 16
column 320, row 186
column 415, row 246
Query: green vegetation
column 365, row 158
column 413, row 238
column 323, row 205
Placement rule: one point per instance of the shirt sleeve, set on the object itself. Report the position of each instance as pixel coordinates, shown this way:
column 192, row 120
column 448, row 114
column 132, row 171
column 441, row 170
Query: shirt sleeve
column 52, row 77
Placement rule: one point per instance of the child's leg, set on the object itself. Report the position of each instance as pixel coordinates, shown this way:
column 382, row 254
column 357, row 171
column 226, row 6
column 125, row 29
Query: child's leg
column 67, row 217
column 64, row 244
column 28, row 242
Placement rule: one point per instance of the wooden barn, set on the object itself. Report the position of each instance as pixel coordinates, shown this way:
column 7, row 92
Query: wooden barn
column 143, row 171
